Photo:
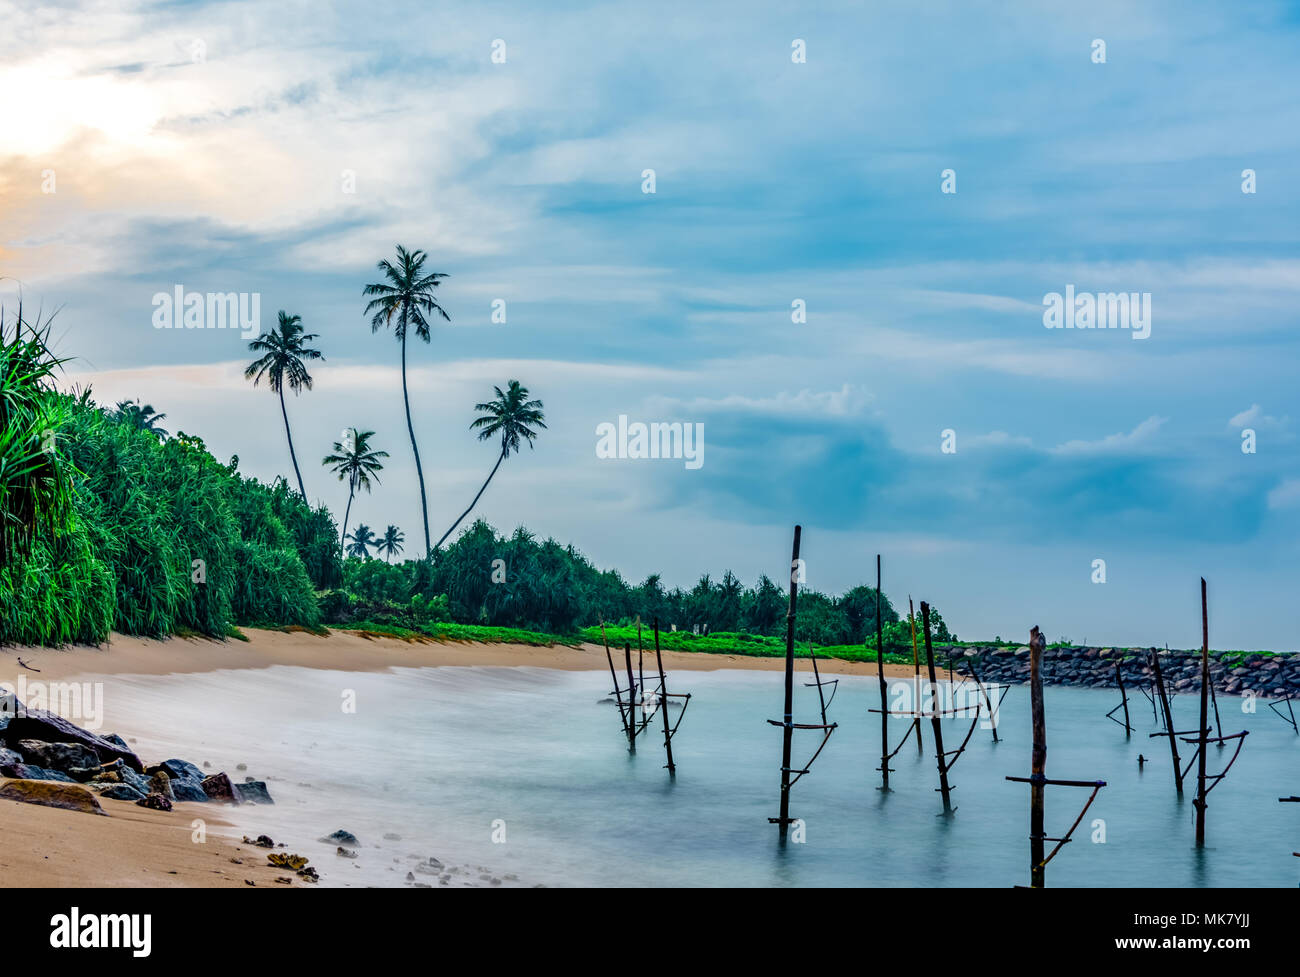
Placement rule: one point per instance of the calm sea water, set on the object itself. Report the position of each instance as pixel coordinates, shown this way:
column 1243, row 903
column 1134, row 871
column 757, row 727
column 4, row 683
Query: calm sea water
column 446, row 757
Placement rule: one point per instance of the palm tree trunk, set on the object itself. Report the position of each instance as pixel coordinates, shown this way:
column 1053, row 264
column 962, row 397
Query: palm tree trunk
column 410, row 428
column 293, row 457
column 476, row 498
column 347, row 512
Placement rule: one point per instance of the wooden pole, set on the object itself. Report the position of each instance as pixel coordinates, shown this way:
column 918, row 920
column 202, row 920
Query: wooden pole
column 880, row 672
column 1203, row 735
column 787, row 731
column 1169, row 721
column 944, row 789
column 916, row 676
column 1038, row 762
column 663, row 703
column 631, row 699
column 618, row 696
column 1119, row 677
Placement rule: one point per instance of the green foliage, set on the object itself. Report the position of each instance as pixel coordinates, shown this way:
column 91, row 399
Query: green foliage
column 161, row 539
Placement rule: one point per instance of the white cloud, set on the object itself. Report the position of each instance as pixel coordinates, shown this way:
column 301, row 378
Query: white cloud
column 1114, row 443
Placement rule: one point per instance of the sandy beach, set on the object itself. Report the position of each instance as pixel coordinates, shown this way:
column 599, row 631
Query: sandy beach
column 350, row 651
column 137, row 847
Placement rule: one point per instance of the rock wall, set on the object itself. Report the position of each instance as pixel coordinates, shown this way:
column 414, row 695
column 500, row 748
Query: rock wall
column 1265, row 674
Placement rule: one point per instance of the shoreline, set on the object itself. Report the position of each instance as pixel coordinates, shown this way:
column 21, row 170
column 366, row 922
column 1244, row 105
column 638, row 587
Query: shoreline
column 351, row 652
column 136, row 847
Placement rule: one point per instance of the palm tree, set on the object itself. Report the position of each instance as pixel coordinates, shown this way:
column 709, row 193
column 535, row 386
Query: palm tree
column 356, row 461
column 142, row 417
column 360, row 542
column 391, row 542
column 281, row 362
column 513, row 416
column 402, row 301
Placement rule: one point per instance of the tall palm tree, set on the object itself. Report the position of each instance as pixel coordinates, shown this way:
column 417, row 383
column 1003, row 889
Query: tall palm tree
column 142, row 417
column 511, row 415
column 404, row 300
column 360, row 542
column 356, row 461
column 283, row 352
column 390, row 544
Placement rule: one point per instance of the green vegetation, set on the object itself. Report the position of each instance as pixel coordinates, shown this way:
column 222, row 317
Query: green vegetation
column 108, row 525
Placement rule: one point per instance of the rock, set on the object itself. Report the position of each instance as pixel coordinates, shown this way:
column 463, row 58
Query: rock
column 241, row 766
column 261, row 841
column 178, row 770
column 219, row 788
column 72, row 797
column 122, row 792
column 254, row 792
column 340, row 837
column 38, row 724
column 156, row 802
column 41, row 773
column 188, row 790
column 116, row 740
column 346, row 852
column 64, row 757
column 160, row 783
column 389, row 836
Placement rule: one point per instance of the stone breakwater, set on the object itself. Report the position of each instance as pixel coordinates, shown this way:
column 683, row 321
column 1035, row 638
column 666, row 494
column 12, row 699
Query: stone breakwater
column 1233, row 673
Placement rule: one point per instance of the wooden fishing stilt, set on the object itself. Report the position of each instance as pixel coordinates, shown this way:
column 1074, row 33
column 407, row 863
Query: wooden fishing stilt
column 1169, row 721
column 916, row 677
column 1038, row 760
column 618, row 693
column 988, row 700
column 1203, row 733
column 787, row 723
column 1037, row 780
column 631, row 700
column 663, row 690
column 884, row 705
column 787, row 733
column 936, row 726
column 1123, row 697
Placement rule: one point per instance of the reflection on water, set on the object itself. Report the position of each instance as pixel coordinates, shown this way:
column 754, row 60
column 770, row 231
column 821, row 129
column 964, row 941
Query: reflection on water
column 440, row 756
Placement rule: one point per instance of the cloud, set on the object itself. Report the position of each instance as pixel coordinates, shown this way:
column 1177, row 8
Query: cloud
column 1120, row 443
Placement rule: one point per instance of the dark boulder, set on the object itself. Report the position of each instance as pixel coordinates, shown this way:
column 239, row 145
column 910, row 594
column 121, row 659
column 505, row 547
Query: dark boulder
column 178, row 770
column 122, row 792
column 38, row 724
column 340, row 837
column 156, row 802
column 65, row 757
column 188, row 790
column 219, row 788
column 253, row 791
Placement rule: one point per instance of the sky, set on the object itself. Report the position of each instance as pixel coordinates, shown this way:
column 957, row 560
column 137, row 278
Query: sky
column 799, row 161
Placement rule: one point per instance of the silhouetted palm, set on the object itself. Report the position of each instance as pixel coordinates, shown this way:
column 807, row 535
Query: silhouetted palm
column 390, row 544
column 142, row 417
column 356, row 461
column 360, row 542
column 511, row 415
column 283, row 352
column 403, row 301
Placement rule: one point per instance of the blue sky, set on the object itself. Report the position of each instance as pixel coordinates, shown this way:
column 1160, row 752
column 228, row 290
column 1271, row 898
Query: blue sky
column 775, row 181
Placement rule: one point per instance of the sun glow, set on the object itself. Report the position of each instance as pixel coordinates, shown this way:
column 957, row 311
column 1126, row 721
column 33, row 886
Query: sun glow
column 44, row 105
